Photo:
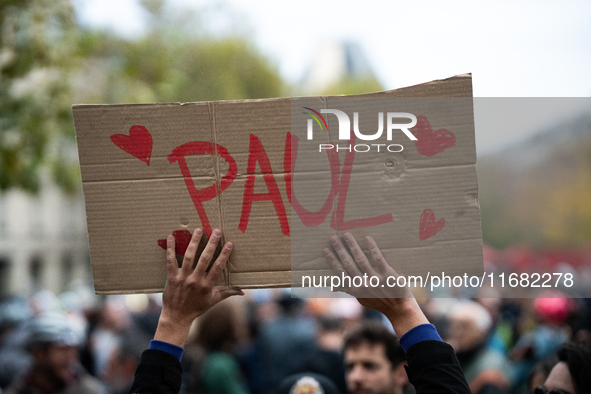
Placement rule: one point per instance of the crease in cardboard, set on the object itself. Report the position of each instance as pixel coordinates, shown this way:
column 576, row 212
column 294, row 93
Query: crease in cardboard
column 218, row 181
column 324, row 103
column 163, row 179
column 428, row 245
column 358, row 172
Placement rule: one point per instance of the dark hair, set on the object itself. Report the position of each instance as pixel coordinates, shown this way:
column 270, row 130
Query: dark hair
column 289, row 304
column 217, row 329
column 133, row 344
column 330, row 323
column 578, row 359
column 543, row 367
column 374, row 333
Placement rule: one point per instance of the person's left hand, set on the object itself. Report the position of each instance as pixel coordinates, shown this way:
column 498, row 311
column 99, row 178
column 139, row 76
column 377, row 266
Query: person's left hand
column 189, row 292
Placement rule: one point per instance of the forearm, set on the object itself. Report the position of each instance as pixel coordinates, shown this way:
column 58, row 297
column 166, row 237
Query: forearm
column 171, row 331
column 404, row 315
column 432, row 364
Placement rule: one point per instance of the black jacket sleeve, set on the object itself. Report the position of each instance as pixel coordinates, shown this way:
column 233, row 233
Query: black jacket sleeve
column 434, row 368
column 158, row 373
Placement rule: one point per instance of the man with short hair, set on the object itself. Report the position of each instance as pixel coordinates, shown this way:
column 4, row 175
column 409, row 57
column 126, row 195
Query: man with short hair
column 374, row 361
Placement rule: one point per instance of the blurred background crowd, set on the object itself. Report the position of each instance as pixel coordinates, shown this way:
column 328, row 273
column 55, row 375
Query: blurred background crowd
column 535, row 191
column 251, row 344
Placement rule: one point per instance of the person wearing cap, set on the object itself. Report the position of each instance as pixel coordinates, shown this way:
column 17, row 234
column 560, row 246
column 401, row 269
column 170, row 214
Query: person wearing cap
column 551, row 309
column 189, row 292
column 53, row 344
column 14, row 314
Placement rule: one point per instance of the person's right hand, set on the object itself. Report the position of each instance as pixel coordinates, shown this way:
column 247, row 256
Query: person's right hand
column 396, row 303
column 189, row 292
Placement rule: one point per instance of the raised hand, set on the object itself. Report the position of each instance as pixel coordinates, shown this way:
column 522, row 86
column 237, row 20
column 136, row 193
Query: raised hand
column 381, row 294
column 189, row 291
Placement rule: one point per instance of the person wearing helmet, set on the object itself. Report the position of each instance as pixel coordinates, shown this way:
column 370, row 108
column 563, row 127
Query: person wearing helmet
column 53, row 345
column 14, row 313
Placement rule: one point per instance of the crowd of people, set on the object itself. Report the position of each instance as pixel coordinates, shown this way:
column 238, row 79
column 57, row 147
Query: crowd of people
column 268, row 342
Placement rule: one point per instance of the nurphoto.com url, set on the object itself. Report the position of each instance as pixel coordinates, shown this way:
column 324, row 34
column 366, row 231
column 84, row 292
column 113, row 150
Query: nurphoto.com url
column 492, row 279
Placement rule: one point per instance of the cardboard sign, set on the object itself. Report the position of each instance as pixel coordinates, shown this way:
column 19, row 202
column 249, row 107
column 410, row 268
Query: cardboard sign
column 249, row 168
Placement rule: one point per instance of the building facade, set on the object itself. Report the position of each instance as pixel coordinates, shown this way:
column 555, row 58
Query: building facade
column 43, row 241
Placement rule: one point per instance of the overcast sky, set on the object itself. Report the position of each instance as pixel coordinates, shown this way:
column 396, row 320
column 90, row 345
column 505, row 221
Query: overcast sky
column 513, row 48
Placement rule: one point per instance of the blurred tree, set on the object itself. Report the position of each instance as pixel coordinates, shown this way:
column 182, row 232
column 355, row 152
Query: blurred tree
column 499, row 229
column 38, row 52
column 567, row 218
column 543, row 200
column 175, row 61
column 354, row 85
column 48, row 62
column 562, row 196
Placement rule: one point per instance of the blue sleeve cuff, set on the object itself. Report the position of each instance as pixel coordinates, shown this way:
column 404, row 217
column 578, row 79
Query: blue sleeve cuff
column 422, row 332
column 169, row 348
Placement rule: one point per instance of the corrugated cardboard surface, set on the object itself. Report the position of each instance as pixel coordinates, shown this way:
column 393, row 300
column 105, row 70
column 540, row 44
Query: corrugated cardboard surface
column 395, row 188
column 130, row 205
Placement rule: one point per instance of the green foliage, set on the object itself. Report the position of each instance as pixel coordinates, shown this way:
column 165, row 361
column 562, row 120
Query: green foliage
column 37, row 54
column 357, row 85
column 198, row 70
column 48, row 63
column 175, row 62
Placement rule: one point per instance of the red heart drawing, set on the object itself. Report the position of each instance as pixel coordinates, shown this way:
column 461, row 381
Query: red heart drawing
column 428, row 227
column 429, row 142
column 138, row 143
column 182, row 237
